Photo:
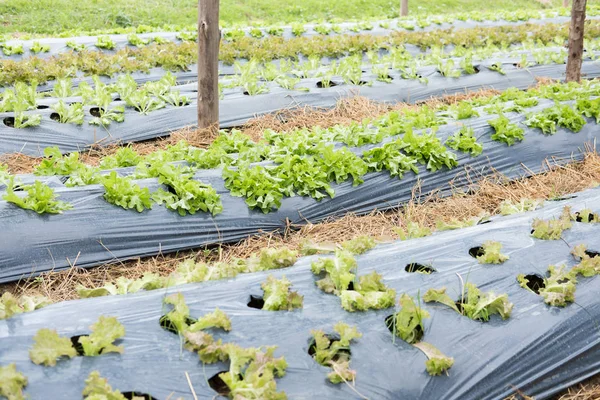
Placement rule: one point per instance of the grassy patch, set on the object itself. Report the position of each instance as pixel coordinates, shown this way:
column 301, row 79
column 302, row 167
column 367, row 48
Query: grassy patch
column 53, row 16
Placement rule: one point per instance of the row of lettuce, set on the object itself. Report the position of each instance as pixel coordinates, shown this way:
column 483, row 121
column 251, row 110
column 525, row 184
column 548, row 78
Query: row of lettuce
column 69, row 104
column 337, row 275
column 305, row 162
column 180, row 56
column 331, row 26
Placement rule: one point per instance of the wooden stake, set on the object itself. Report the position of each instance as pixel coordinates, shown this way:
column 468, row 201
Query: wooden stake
column 208, row 64
column 576, row 41
column 403, row 8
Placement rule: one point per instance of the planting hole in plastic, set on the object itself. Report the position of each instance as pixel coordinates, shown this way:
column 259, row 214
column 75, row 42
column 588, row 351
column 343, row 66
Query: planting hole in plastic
column 9, row 121
column 321, row 85
column 592, row 253
column 96, row 111
column 138, row 395
column 389, row 322
column 42, row 107
column 579, row 218
column 166, row 323
column 216, row 383
column 476, row 251
column 55, row 117
column 76, row 345
column 416, row 267
column 535, row 282
column 256, row 302
column 484, row 221
column 312, row 347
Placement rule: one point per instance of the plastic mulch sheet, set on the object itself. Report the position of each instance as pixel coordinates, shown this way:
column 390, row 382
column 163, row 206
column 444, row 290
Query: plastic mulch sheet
column 237, row 108
column 539, row 350
column 95, row 232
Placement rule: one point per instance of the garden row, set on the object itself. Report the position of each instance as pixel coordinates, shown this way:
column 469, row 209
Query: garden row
column 299, row 29
column 275, row 334
column 123, row 113
column 297, row 177
column 180, row 57
column 47, row 47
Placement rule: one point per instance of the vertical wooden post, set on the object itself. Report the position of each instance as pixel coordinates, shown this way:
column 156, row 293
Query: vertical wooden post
column 208, row 64
column 403, row 8
column 576, row 40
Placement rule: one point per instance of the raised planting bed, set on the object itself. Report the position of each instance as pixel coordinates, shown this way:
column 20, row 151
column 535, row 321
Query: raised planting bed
column 122, row 114
column 46, row 47
column 520, row 344
column 246, row 197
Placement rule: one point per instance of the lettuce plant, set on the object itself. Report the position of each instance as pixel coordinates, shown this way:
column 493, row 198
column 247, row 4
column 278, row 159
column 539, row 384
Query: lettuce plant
column 589, row 265
column 97, row 388
column 552, row 229
column 437, row 363
column 50, row 347
column 407, row 323
column 12, row 382
column 334, row 353
column 105, row 42
column 558, row 115
column 187, row 195
column 277, row 295
column 40, row 198
column 508, row 207
column 491, row 253
column 11, row 305
column 69, row 114
column 37, row 47
column 464, row 140
column 366, row 292
column 558, row 289
column 123, row 192
column 473, row 303
column 505, row 131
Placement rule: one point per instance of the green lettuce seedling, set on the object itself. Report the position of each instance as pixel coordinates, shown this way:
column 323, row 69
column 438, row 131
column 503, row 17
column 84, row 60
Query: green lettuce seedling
column 12, row 382
column 437, row 363
column 552, row 229
column 474, row 304
column 559, row 287
column 491, row 253
column 335, row 353
column 277, row 295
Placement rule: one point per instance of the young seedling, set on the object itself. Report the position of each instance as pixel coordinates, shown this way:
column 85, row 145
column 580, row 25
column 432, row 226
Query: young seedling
column 40, row 198
column 412, row 231
column 11, row 305
column 589, row 262
column 558, row 289
column 552, row 229
column 508, row 207
column 437, row 363
column 505, row 131
column 368, row 292
column 278, row 297
column 12, row 382
column 50, row 347
column 335, row 353
column 464, row 140
column 407, row 324
column 491, row 253
column 473, row 303
column 97, row 388
column 123, row 192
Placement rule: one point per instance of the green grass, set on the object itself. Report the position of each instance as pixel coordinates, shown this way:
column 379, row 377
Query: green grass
column 55, row 16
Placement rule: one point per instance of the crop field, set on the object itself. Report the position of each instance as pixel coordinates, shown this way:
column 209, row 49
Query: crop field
column 393, row 207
